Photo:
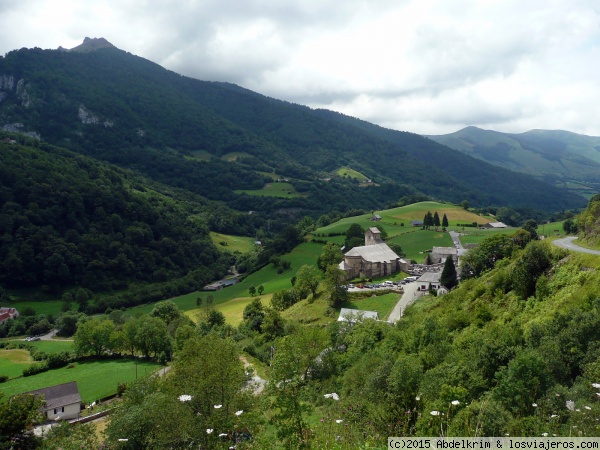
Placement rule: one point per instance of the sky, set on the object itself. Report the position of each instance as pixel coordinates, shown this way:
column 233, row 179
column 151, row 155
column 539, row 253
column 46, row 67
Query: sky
column 424, row 66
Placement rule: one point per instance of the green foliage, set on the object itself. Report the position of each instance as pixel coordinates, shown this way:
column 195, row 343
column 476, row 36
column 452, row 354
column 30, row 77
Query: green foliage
column 307, row 279
column 535, row 260
column 17, row 415
column 332, row 255
column 449, row 277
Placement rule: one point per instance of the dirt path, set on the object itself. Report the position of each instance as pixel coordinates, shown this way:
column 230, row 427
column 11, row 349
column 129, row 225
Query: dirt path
column 257, row 384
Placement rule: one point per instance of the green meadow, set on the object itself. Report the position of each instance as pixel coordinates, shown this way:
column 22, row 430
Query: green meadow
column 235, row 155
column 275, row 189
column 351, row 173
column 232, row 243
column 95, row 379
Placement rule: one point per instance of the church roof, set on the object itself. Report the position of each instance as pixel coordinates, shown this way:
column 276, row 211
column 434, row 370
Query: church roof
column 374, row 253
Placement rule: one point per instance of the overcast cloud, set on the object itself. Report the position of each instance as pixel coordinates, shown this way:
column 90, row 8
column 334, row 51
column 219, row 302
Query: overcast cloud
column 425, row 66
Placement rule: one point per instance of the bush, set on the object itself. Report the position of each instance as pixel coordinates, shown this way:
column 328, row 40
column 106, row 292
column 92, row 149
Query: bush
column 34, row 369
column 3, row 378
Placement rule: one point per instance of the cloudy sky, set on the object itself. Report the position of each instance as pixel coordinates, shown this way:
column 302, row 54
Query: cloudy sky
column 426, row 66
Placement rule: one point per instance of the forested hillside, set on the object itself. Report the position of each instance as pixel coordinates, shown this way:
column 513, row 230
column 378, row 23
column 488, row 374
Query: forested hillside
column 67, row 220
column 121, row 108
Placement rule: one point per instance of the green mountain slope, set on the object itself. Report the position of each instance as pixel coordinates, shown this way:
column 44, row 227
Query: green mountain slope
column 118, row 107
column 550, row 154
column 67, row 220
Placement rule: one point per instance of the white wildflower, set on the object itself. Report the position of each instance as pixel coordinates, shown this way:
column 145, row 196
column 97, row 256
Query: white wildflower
column 218, row 406
column 239, row 413
column 339, row 420
column 596, row 385
column 209, row 430
column 455, row 402
column 335, row 396
column 544, row 434
column 435, row 413
column 418, row 397
column 570, row 405
column 587, row 407
column 553, row 416
column 222, row 434
column 184, row 398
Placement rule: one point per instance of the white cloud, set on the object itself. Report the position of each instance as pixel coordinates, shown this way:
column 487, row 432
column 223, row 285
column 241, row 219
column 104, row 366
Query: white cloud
column 427, row 66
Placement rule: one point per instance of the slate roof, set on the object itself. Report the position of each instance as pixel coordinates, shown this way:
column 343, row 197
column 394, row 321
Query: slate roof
column 374, row 253
column 352, row 315
column 430, row 277
column 59, row 395
column 445, row 250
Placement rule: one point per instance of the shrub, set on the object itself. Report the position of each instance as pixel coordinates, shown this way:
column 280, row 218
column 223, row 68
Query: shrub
column 3, row 378
column 34, row 369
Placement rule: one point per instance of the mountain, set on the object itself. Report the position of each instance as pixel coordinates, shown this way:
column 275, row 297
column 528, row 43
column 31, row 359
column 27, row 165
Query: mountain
column 227, row 143
column 554, row 155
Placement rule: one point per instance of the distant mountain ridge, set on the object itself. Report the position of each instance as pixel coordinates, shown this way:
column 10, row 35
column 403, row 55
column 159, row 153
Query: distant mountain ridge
column 553, row 155
column 118, row 107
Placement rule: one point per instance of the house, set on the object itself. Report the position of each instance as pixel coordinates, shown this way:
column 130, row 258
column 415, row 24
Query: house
column 356, row 315
column 416, row 223
column 375, row 218
column 374, row 259
column 439, row 254
column 429, row 281
column 8, row 313
column 62, row 402
column 495, row 225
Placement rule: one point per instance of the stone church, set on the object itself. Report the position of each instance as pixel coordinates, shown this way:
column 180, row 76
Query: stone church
column 374, row 259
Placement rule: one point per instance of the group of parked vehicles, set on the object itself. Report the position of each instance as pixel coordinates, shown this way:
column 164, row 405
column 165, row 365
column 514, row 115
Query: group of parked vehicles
column 384, row 285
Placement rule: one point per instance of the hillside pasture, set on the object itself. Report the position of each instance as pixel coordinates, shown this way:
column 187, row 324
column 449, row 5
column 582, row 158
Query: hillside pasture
column 351, row 173
column 95, row 379
column 416, row 244
column 200, row 155
column 475, row 235
column 12, row 362
column 275, row 189
column 46, row 307
column 232, row 243
column 233, row 310
column 383, row 304
column 234, row 156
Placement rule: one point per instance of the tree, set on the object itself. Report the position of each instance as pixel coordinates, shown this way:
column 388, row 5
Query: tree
column 152, row 336
column 334, row 279
column 17, row 416
column 307, row 279
column 449, row 278
column 166, row 310
column 254, row 315
column 93, row 336
column 260, row 289
column 355, row 236
column 331, row 255
column 427, row 220
column 436, row 219
column 465, row 204
column 397, row 249
column 445, row 221
column 531, row 226
column 534, row 261
column 569, row 226
column 252, row 290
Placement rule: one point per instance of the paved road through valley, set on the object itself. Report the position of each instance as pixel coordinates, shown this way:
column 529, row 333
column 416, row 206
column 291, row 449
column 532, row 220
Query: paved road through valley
column 567, row 243
column 408, row 297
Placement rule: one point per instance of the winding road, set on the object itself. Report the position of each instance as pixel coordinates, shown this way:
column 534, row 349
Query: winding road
column 411, row 293
column 567, row 243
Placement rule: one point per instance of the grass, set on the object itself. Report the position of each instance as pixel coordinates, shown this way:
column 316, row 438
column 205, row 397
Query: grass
column 235, row 155
column 383, row 304
column 95, row 379
column 475, row 236
column 233, row 310
column 242, row 244
column 415, row 244
column 12, row 362
column 200, row 155
column 351, row 173
column 47, row 307
column 275, row 189
column 53, row 346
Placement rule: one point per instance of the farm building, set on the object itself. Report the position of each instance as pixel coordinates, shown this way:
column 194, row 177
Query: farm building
column 495, row 225
column 8, row 313
column 416, row 223
column 375, row 218
column 356, row 315
column 439, row 254
column 374, row 259
column 62, row 401
column 429, row 280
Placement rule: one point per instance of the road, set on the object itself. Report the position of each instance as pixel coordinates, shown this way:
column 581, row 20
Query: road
column 567, row 243
column 410, row 295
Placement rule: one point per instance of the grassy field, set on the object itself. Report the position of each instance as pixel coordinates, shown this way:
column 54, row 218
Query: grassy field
column 475, row 236
column 414, row 244
column 200, row 155
column 12, row 362
column 95, row 379
column 351, row 173
column 235, row 155
column 47, row 307
column 241, row 244
column 383, row 304
column 233, row 310
column 275, row 189
column 306, row 253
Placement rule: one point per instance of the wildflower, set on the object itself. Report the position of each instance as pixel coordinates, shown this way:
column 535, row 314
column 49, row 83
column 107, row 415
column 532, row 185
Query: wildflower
column 209, row 430
column 239, row 413
column 335, row 396
column 418, row 397
column 570, row 405
column 184, row 398
column 544, row 434
column 218, row 406
column 596, row 385
column 587, row 407
column 455, row 402
column 339, row 420
column 328, row 395
column 553, row 416
column 222, row 434
column 534, row 405
column 435, row 413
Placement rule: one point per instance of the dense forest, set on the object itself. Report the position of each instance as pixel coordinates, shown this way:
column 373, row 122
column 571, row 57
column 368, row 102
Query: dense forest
column 67, row 220
column 120, row 108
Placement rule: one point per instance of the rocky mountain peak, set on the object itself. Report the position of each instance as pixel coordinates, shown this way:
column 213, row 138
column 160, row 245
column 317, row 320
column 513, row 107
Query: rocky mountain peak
column 92, row 44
